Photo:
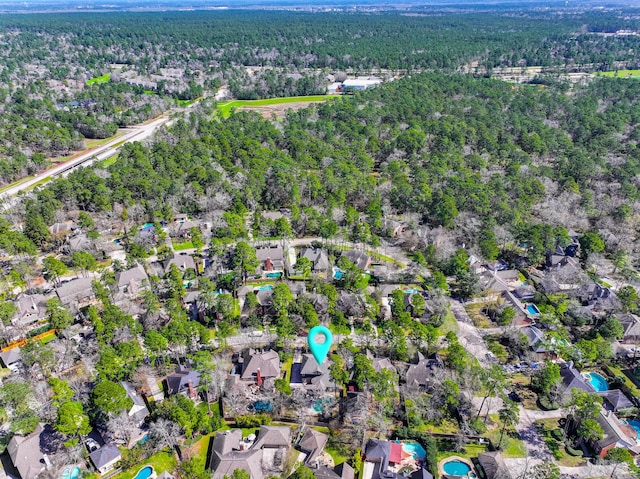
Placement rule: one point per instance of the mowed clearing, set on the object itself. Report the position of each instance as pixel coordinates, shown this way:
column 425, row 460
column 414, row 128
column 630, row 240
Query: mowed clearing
column 271, row 106
column 622, row 74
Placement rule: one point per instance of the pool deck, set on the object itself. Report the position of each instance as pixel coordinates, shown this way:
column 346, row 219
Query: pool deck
column 441, row 472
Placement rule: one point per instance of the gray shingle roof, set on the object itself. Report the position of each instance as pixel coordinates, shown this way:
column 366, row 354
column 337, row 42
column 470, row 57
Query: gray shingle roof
column 616, row 398
column 136, row 275
column 26, row 454
column 268, row 363
column 104, row 455
column 313, row 443
column 273, row 436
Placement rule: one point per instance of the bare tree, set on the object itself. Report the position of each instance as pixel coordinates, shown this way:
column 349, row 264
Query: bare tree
column 164, row 433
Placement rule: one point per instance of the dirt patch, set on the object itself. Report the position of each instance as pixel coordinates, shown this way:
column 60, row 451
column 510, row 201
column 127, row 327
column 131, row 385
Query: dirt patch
column 268, row 111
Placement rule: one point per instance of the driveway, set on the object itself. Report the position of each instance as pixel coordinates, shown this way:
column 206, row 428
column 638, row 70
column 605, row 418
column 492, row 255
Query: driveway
column 468, row 334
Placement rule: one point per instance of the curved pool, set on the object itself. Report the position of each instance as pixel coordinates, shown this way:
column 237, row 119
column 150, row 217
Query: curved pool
column 456, row 468
column 597, row 382
column 144, row 473
column 415, row 449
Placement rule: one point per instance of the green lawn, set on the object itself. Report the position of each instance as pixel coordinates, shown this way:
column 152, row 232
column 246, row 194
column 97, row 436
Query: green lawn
column 101, row 79
column 616, row 371
column 469, row 451
column 182, row 246
column 161, row 461
column 622, row 74
column 337, row 454
column 91, row 143
column 512, row 445
column 39, row 183
column 450, row 324
column 225, row 108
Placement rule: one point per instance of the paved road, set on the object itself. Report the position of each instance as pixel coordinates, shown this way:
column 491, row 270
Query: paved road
column 135, row 133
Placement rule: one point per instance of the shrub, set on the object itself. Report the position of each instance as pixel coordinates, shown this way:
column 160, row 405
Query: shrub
column 557, row 434
column 546, row 404
column 573, row 452
column 252, row 420
column 478, row 426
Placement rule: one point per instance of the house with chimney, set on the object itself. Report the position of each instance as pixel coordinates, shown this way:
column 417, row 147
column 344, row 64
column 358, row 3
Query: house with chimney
column 271, row 261
column 183, row 381
column 312, row 444
column 132, row 281
column 137, row 413
column 361, row 259
column 316, row 377
column 616, row 434
column 259, row 367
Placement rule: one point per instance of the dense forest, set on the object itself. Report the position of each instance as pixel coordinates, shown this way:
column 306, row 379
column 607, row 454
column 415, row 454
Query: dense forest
column 448, row 151
column 72, row 83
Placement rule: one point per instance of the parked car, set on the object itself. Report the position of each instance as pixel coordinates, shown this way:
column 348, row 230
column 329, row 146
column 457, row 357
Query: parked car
column 91, row 444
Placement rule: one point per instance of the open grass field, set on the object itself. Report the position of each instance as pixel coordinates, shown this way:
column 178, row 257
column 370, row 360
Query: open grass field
column 622, row 74
column 101, row 79
column 224, row 108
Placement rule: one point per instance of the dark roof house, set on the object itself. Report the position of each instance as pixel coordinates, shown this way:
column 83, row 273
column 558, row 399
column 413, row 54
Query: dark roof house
column 614, row 400
column 341, row 471
column 266, row 365
column 183, row 381
column 76, row 293
column 493, row 465
column 359, row 258
column 318, row 258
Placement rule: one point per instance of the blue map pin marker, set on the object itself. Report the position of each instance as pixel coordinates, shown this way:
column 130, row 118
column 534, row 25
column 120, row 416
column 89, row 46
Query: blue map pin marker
column 318, row 350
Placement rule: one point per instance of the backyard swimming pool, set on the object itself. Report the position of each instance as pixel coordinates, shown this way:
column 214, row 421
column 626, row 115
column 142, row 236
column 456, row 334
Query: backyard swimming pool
column 636, row 425
column 144, row 473
column 532, row 309
column 337, row 273
column 597, row 382
column 415, row 449
column 71, row 474
column 456, row 468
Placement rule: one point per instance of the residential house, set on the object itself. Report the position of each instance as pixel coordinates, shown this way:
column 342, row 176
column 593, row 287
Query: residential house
column 27, row 453
column 384, row 455
column 392, row 228
column 184, row 262
column 318, row 257
column 419, row 375
column 105, row 458
column 76, row 293
column 616, row 434
column 421, row 473
column 382, row 363
column 350, row 303
column 259, row 367
column 260, row 458
column 180, row 217
column 316, row 377
column 631, row 324
column 137, row 413
column 31, row 309
column 271, row 261
column 535, row 338
column 132, row 281
column 354, row 407
column 112, row 249
column 78, row 243
column 571, row 379
column 182, row 229
column 11, row 358
column 62, row 229
column 341, row 471
column 312, row 444
column 361, row 259
column 615, row 400
column 183, row 381
column 525, row 292
column 493, row 465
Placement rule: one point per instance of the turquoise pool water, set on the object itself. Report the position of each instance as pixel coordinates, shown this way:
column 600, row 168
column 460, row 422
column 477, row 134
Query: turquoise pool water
column 147, row 225
column 71, row 474
column 456, row 468
column 532, row 309
column 636, row 425
column 411, row 291
column 144, row 473
column 265, row 288
column 337, row 273
column 317, row 406
column 598, row 383
column 415, row 449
